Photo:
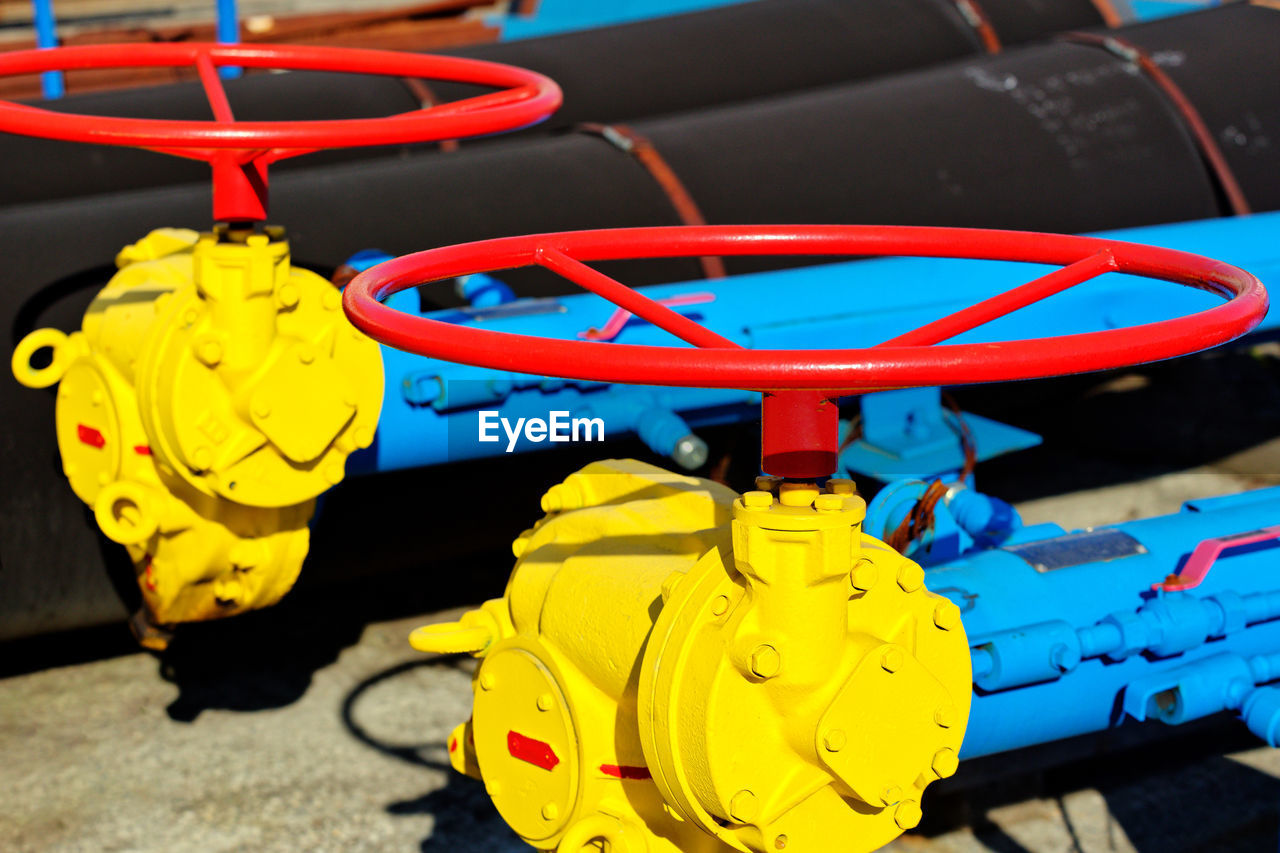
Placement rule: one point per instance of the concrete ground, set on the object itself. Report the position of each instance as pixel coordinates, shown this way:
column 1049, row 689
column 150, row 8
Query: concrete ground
column 315, row 727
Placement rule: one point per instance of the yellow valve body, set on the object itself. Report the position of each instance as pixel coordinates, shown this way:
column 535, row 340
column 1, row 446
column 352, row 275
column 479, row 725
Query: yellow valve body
column 677, row 668
column 211, row 394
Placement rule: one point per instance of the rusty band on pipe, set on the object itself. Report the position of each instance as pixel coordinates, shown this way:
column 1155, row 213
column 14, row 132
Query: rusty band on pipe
column 976, row 17
column 427, row 98
column 1209, row 148
column 646, row 154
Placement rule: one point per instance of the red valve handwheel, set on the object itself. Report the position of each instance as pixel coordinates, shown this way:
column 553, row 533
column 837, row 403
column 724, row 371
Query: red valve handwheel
column 241, row 151
column 800, row 420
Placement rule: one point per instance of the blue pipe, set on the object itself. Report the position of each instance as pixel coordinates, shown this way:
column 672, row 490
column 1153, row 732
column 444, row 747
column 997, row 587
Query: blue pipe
column 228, row 32
column 1068, row 636
column 46, row 24
column 431, row 408
column 559, row 16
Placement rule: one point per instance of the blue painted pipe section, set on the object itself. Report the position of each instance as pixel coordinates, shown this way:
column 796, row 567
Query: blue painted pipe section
column 965, row 520
column 558, row 16
column 1068, row 636
column 430, row 413
column 1147, row 10
column 46, row 25
column 562, row 16
column 228, row 31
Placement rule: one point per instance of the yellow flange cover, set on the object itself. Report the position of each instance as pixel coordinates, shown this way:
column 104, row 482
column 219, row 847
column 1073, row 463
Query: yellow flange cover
column 212, row 393
column 677, row 668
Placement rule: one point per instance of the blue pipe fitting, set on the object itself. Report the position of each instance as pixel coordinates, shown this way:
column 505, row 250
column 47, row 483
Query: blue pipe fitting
column 1165, row 626
column 661, row 429
column 965, row 520
column 1262, row 606
column 1190, row 691
column 1261, row 713
column 472, row 393
column 989, row 520
column 1026, row 655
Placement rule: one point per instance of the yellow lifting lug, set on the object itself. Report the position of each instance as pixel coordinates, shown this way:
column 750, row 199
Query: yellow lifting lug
column 211, row 394
column 686, row 669
column 473, row 634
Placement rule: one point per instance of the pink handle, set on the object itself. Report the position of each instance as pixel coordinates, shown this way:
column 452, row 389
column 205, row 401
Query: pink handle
column 618, row 319
column 1207, row 553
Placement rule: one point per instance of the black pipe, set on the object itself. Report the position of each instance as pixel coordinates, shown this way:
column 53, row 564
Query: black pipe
column 1060, row 137
column 627, row 72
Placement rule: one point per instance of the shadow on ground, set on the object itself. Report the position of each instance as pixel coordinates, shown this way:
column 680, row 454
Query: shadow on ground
column 1167, row 790
column 463, row 815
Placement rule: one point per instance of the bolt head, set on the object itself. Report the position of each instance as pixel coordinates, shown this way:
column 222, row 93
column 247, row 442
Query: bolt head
column 550, row 811
column 946, row 615
column 744, row 806
column 835, row 740
column 765, row 661
column 945, row 762
column 487, row 681
column 228, row 591
column 757, row 500
column 907, row 815
column 202, row 457
column 719, row 605
column 287, row 295
column 891, row 659
column 306, row 353
column 910, row 576
column 945, row 716
column 828, row 503
column 864, row 574
column 767, row 483
column 891, row 795
column 797, row 494
column 841, row 486
column 546, row 702
column 209, row 353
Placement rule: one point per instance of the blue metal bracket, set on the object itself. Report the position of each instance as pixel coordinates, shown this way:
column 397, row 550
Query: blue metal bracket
column 910, row 434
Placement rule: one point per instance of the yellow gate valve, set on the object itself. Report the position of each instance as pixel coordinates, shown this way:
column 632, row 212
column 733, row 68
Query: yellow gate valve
column 212, row 393
column 675, row 667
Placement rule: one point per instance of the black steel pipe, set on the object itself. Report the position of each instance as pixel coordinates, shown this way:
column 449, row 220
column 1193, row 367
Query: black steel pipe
column 626, row 72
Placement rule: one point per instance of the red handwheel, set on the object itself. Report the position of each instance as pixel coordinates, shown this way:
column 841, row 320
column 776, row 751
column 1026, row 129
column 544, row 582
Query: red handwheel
column 240, row 152
column 800, row 420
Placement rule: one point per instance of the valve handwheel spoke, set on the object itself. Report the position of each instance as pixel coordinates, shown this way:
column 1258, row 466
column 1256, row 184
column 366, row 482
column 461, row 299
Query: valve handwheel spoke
column 800, row 418
column 240, row 152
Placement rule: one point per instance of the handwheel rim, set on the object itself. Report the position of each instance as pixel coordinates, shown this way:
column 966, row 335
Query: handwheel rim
column 526, row 98
column 836, row 370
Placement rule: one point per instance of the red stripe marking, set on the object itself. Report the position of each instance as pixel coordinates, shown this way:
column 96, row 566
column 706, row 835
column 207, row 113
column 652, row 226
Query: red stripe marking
column 453, row 744
column 90, row 436
column 142, row 450
column 150, row 578
column 536, row 752
column 623, row 771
